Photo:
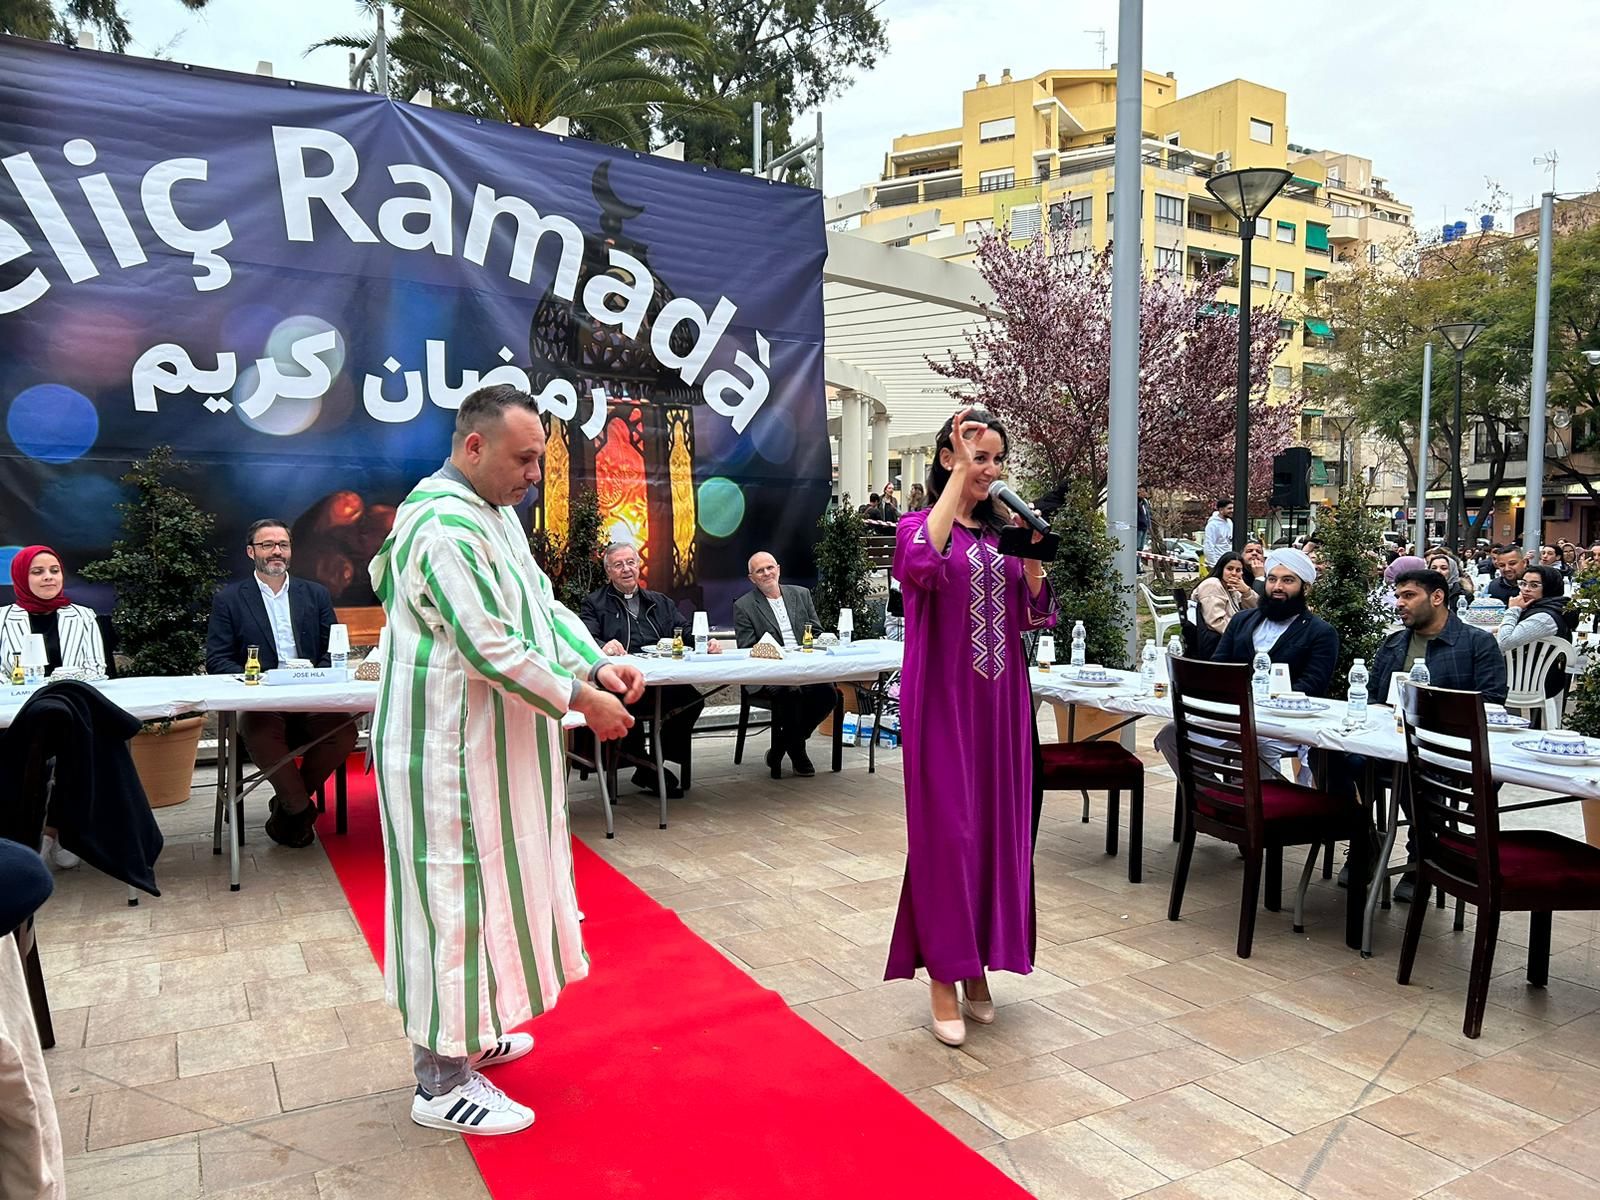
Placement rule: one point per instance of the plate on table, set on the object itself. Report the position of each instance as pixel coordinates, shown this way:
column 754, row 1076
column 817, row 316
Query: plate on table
column 1506, row 720
column 1530, row 747
column 1093, row 683
column 1311, row 708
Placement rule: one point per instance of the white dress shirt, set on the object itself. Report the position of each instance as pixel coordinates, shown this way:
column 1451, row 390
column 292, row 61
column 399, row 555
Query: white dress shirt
column 780, row 611
column 278, row 617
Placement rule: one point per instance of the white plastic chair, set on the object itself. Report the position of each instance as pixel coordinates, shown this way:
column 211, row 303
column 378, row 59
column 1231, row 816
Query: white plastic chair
column 1163, row 611
column 1527, row 667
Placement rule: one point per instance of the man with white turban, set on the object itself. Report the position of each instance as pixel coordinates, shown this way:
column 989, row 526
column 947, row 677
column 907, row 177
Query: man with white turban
column 1282, row 627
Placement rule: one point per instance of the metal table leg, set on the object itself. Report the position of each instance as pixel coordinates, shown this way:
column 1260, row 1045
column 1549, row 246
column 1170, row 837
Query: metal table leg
column 838, row 727
column 655, row 750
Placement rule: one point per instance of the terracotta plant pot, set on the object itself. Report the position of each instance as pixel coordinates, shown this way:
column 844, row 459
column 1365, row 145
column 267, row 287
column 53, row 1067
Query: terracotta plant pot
column 164, row 756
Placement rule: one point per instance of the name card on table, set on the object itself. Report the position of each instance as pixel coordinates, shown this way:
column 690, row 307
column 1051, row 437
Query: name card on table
column 291, row 675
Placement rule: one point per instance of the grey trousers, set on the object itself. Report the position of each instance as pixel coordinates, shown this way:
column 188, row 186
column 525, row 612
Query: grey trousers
column 1272, row 753
column 438, row 1073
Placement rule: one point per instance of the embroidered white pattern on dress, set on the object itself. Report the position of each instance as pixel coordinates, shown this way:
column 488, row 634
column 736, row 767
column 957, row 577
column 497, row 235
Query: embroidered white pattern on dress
column 988, row 583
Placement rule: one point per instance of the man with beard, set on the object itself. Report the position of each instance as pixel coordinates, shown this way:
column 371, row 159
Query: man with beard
column 1255, row 557
column 284, row 618
column 1504, row 586
column 1281, row 626
column 1458, row 656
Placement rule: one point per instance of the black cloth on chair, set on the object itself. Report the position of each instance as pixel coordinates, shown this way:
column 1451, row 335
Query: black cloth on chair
column 97, row 805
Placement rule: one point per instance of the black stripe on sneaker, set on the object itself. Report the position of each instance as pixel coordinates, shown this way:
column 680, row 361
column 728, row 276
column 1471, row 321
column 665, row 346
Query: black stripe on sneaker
column 455, row 1108
column 494, row 1051
column 478, row 1120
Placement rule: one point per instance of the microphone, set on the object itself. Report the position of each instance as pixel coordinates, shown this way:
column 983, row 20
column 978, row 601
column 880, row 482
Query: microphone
column 1001, row 491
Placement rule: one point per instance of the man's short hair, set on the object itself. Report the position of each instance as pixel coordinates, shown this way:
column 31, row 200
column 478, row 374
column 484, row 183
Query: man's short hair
column 874, row 498
column 1517, row 550
column 1224, row 501
column 264, row 523
column 1428, row 580
column 613, row 547
column 484, row 410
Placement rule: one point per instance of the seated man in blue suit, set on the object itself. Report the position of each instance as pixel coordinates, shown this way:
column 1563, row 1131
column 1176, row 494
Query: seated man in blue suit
column 285, row 618
column 1281, row 626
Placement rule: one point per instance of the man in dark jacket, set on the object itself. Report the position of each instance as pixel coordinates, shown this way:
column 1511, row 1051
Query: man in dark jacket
column 783, row 611
column 1509, row 563
column 1457, row 655
column 284, row 618
column 1282, row 627
column 626, row 618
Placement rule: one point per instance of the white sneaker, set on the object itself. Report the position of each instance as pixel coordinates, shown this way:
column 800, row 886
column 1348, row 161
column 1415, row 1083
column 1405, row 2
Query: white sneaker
column 477, row 1106
column 58, row 856
column 509, row 1048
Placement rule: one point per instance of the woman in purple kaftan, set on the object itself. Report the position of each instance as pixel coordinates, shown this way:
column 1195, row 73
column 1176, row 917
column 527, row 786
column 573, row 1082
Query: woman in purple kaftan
column 967, row 901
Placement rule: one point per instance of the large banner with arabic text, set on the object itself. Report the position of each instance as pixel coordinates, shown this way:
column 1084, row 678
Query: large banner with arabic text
column 296, row 286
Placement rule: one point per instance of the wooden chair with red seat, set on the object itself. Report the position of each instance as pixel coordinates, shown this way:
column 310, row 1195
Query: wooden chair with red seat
column 1101, row 766
column 1219, row 772
column 1461, row 850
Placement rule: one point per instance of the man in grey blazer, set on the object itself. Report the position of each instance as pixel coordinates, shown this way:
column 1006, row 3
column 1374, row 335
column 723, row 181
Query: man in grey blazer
column 784, row 611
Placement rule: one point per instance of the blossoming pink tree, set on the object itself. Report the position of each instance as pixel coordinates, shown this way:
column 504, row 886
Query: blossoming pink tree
column 1042, row 363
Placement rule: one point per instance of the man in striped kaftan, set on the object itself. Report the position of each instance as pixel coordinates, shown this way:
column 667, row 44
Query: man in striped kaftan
column 481, row 917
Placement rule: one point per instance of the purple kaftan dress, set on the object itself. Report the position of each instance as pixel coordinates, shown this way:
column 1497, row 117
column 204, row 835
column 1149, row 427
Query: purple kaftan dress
column 966, row 711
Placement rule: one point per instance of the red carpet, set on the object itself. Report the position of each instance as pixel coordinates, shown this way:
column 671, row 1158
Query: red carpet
column 671, row 1073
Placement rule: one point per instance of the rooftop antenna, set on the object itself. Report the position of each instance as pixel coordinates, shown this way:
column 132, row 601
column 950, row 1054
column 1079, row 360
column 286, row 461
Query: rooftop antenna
column 1100, row 37
column 1549, row 160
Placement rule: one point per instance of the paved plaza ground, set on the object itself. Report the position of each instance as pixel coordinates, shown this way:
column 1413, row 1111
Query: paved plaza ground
column 236, row 1044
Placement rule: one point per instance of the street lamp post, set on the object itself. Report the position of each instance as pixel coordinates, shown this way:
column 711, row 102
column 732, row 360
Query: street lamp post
column 1460, row 335
column 1245, row 193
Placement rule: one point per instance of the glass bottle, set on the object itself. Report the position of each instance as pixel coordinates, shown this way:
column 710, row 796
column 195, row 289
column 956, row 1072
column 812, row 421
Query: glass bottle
column 805, row 640
column 18, row 675
column 677, row 641
column 252, row 665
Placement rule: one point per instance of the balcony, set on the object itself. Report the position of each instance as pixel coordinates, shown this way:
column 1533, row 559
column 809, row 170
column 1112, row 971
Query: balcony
column 1347, row 229
column 1200, row 225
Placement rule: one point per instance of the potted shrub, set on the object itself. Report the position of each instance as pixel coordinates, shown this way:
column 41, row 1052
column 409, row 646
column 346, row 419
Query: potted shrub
column 164, row 568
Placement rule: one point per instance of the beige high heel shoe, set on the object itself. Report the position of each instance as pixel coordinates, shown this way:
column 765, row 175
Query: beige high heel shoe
column 981, row 1011
column 951, row 1033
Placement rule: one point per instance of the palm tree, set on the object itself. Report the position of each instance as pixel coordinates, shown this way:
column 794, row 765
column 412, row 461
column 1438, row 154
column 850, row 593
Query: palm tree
column 530, row 61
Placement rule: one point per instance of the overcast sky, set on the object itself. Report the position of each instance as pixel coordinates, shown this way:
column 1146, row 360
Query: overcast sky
column 1440, row 94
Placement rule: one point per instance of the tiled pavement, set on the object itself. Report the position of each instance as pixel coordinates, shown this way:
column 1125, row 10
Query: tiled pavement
column 222, row 1044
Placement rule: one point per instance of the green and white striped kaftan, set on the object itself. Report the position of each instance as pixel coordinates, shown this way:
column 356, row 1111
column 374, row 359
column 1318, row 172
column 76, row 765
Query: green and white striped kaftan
column 481, row 924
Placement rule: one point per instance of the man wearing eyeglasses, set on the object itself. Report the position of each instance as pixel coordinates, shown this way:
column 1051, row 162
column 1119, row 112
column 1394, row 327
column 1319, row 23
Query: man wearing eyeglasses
column 284, row 619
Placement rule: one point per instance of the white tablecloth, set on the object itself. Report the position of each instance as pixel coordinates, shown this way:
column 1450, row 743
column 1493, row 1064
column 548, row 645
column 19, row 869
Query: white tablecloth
column 861, row 660
column 152, row 699
column 1377, row 740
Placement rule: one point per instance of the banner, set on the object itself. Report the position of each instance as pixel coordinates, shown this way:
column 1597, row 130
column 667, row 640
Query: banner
column 296, row 286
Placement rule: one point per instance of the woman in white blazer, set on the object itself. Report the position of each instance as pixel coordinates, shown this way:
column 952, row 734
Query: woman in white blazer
column 71, row 635
column 71, row 638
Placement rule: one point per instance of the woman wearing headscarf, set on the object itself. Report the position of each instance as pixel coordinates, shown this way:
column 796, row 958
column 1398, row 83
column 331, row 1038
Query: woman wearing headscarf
column 1460, row 583
column 1397, row 567
column 1540, row 609
column 71, row 639
column 71, row 634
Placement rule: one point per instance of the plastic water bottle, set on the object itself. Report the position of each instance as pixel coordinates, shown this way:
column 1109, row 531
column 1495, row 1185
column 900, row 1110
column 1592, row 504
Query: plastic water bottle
column 1461, row 607
column 1356, row 698
column 1174, row 647
column 1147, row 668
column 1261, row 677
column 1080, row 642
column 1419, row 672
column 338, row 661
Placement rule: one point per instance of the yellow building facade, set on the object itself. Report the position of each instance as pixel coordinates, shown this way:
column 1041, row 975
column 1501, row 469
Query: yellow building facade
column 1031, row 151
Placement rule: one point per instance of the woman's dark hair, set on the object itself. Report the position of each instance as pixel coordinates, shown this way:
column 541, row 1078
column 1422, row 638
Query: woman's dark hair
column 984, row 512
column 1230, row 556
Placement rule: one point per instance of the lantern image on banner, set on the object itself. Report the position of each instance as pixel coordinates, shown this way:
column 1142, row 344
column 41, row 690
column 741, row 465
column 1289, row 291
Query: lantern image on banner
column 641, row 463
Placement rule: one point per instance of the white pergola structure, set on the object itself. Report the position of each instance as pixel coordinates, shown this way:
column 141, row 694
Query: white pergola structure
column 885, row 309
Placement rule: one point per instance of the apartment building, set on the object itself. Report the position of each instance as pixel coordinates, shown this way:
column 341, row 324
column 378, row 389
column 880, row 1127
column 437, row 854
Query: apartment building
column 1036, row 150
